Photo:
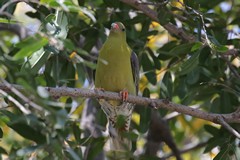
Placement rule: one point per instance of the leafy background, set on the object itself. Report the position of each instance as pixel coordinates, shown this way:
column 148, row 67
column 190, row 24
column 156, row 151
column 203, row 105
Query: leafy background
column 55, row 43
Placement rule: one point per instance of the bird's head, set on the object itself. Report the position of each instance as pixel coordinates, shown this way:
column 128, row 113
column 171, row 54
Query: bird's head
column 117, row 28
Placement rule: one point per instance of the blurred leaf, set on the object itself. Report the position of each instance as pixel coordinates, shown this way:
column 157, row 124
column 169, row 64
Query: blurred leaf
column 73, row 154
column 120, row 122
column 181, row 49
column 212, row 130
column 193, row 76
column 3, row 151
column 112, row 3
column 37, row 60
column 96, row 145
column 76, row 131
column 207, row 4
column 1, row 133
column 29, row 46
column 212, row 143
column 130, row 135
column 144, row 113
column 223, row 154
column 8, row 21
column 196, row 46
column 163, row 51
column 164, row 16
column 166, row 86
column 149, row 68
column 27, row 126
column 190, row 64
column 27, row 150
column 222, row 49
column 155, row 59
column 61, row 119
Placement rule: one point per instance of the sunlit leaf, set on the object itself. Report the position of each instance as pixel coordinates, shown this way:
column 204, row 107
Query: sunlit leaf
column 29, row 46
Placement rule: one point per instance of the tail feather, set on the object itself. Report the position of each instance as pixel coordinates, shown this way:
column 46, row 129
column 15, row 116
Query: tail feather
column 123, row 110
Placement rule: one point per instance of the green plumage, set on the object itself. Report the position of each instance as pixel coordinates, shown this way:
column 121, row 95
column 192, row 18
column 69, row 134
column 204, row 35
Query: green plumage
column 114, row 70
column 117, row 70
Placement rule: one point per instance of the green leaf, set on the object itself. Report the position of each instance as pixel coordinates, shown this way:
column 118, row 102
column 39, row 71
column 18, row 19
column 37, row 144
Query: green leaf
column 163, row 15
column 181, row 49
column 96, row 147
column 166, row 88
column 196, row 46
column 212, row 130
column 130, row 135
column 212, row 143
column 3, row 151
column 164, row 50
column 144, row 113
column 155, row 59
column 76, row 132
column 193, row 76
column 61, row 116
column 224, row 154
column 8, row 21
column 37, row 60
column 222, row 49
column 149, row 69
column 190, row 64
column 27, row 126
column 29, row 46
column 120, row 122
column 27, row 150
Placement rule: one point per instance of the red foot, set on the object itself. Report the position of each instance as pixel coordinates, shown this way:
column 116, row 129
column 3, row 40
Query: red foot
column 100, row 89
column 124, row 95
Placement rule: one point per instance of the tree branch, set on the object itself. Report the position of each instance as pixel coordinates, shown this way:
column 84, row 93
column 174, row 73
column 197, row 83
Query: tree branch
column 185, row 150
column 153, row 103
column 172, row 29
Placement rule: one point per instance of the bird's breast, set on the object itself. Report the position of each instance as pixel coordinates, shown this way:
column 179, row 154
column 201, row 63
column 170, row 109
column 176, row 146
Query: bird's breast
column 116, row 74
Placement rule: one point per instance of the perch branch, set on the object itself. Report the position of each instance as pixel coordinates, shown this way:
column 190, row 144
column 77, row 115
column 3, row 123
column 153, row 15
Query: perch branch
column 154, row 103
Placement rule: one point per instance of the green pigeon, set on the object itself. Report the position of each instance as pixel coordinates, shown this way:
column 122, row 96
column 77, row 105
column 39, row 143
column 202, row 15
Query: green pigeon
column 117, row 71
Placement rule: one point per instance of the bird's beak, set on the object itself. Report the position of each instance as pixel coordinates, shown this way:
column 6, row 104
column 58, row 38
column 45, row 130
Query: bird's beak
column 114, row 26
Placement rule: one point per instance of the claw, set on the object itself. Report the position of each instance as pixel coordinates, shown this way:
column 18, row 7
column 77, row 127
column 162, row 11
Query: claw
column 100, row 89
column 124, row 95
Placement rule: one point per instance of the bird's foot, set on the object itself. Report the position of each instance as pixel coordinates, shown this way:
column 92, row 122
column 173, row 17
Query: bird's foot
column 124, row 95
column 100, row 89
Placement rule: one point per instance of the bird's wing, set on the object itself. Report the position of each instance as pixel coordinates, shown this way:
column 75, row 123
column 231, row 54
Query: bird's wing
column 135, row 69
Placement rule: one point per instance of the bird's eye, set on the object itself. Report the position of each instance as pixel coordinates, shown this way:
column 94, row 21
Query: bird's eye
column 123, row 29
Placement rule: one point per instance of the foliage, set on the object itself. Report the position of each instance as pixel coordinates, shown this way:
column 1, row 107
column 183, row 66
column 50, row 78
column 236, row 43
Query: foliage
column 62, row 49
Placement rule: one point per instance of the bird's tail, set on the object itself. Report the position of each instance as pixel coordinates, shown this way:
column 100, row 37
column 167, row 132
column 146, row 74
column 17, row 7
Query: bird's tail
column 119, row 118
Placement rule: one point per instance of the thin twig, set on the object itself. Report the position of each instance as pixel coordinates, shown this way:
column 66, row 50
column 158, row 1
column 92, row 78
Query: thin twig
column 185, row 150
column 172, row 29
column 19, row 105
column 20, row 95
column 228, row 127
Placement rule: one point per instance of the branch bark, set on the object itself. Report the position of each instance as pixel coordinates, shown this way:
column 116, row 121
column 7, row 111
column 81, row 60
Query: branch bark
column 153, row 103
column 172, row 29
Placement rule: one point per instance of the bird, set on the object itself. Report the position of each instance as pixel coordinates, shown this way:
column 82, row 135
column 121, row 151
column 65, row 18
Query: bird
column 117, row 70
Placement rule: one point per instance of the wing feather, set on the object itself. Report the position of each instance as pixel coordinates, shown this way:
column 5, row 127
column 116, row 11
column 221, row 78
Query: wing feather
column 135, row 70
